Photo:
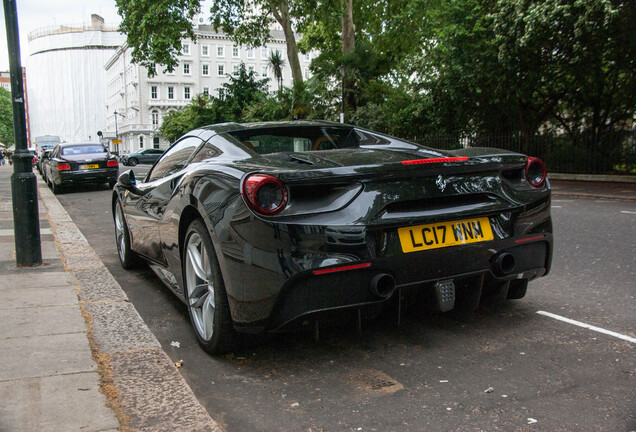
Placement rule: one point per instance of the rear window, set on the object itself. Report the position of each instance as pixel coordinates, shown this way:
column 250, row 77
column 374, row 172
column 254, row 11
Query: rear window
column 82, row 149
column 302, row 139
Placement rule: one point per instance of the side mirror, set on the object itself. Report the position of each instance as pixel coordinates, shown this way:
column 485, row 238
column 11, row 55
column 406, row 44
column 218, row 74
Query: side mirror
column 128, row 181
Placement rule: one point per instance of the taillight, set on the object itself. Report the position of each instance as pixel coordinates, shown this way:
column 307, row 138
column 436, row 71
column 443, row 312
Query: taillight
column 112, row 163
column 63, row 166
column 264, row 194
column 434, row 160
column 535, row 172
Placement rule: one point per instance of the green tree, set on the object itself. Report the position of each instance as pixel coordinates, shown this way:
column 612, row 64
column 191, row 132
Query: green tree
column 6, row 117
column 276, row 63
column 155, row 28
column 248, row 22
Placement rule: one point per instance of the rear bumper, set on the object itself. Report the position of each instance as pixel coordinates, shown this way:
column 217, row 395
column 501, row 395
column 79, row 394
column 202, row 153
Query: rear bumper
column 100, row 175
column 275, row 289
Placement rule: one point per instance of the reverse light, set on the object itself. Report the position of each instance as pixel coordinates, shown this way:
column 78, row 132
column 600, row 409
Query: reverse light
column 265, row 194
column 112, row 163
column 536, row 172
column 434, row 160
column 63, row 166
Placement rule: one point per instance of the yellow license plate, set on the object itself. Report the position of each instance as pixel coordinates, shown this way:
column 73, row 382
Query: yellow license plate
column 444, row 234
column 89, row 166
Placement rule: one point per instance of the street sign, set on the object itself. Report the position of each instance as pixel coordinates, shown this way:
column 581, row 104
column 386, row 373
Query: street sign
column 116, row 141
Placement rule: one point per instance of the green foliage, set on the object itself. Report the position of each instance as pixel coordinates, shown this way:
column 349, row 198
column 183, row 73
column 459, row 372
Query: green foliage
column 6, row 117
column 155, row 28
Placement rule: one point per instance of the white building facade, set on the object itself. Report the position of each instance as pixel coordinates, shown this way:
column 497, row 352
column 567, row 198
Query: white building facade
column 67, row 95
column 136, row 104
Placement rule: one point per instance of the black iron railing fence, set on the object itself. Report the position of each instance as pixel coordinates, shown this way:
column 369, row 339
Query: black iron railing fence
column 585, row 153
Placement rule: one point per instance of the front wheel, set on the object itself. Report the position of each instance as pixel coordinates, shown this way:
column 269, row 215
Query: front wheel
column 127, row 257
column 205, row 292
column 133, row 161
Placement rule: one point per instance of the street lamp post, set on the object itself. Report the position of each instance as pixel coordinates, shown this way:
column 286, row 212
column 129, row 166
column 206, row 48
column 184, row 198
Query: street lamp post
column 116, row 131
column 26, row 221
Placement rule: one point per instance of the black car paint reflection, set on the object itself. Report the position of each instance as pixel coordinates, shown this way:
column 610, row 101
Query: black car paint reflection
column 338, row 230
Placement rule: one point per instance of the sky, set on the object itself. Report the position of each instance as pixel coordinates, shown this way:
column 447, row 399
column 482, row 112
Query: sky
column 36, row 14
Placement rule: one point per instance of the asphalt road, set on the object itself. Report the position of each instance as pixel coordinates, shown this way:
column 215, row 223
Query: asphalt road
column 503, row 368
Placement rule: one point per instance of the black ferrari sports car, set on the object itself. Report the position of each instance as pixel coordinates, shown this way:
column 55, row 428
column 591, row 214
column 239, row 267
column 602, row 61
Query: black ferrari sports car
column 274, row 226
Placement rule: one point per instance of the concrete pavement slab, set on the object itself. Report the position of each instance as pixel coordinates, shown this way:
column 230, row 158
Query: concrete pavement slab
column 38, row 279
column 41, row 321
column 39, row 356
column 13, row 297
column 35, row 404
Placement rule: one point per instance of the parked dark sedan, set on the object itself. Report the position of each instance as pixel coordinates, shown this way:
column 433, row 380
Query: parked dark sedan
column 70, row 164
column 273, row 226
column 146, row 156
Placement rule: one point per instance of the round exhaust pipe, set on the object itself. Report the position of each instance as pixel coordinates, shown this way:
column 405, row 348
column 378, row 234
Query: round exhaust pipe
column 382, row 285
column 504, row 264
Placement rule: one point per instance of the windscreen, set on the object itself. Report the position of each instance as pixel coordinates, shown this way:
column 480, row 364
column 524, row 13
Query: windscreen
column 82, row 149
column 302, row 139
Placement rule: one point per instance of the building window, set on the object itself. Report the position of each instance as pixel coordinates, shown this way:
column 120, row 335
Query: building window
column 235, row 69
column 155, row 118
column 205, row 69
column 220, row 51
column 206, row 91
column 185, row 49
column 279, row 52
column 186, row 92
column 264, row 71
column 205, row 51
column 307, row 57
column 250, row 53
column 221, row 93
column 186, row 68
column 220, row 70
column 307, row 73
column 235, row 52
column 263, row 53
column 141, row 141
column 170, row 92
column 154, row 92
column 251, row 68
column 155, row 142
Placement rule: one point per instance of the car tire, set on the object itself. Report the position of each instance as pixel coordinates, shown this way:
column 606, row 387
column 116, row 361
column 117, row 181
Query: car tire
column 133, row 161
column 57, row 189
column 127, row 257
column 205, row 293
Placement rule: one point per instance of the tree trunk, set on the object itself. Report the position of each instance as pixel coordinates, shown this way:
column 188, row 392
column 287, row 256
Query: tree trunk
column 280, row 10
column 348, row 45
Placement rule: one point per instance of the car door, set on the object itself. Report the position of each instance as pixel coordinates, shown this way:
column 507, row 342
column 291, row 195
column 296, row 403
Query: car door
column 146, row 212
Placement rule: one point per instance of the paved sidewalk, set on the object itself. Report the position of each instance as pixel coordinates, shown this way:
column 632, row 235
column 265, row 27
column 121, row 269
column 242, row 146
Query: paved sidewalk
column 75, row 354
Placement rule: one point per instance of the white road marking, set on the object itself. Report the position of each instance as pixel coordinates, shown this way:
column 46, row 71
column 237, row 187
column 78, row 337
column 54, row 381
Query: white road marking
column 561, row 200
column 557, row 206
column 587, row 326
column 627, row 212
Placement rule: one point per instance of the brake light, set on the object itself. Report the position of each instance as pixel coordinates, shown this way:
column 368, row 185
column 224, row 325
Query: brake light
column 434, row 160
column 264, row 194
column 536, row 172
column 112, row 163
column 63, row 166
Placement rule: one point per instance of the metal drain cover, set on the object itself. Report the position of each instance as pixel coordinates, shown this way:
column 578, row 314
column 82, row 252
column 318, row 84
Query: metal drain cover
column 375, row 381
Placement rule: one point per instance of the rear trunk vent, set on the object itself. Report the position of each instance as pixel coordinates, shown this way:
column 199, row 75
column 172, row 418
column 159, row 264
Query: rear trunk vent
column 437, row 205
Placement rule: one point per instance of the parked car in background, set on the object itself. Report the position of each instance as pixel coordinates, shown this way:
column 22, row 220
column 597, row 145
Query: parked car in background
column 70, row 164
column 274, row 226
column 43, row 156
column 146, row 156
